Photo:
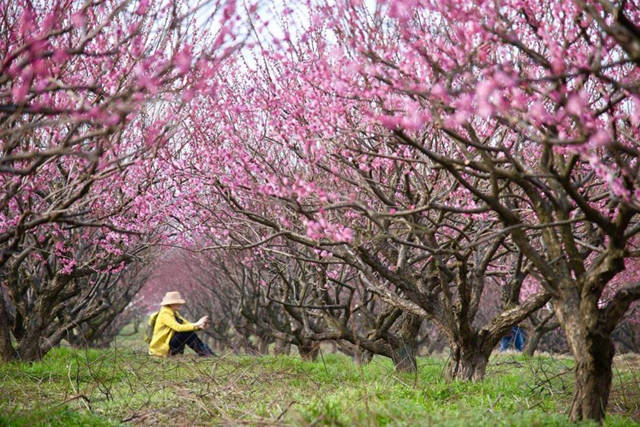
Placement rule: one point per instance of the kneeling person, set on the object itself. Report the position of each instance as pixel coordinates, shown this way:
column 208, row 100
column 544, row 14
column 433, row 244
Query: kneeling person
column 172, row 332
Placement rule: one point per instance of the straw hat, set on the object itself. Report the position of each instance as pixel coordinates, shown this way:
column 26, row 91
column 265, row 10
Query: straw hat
column 172, row 298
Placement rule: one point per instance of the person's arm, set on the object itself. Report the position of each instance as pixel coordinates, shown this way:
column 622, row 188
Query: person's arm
column 168, row 319
column 201, row 323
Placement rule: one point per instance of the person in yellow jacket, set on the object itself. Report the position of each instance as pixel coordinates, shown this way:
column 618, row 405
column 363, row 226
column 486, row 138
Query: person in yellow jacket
column 171, row 331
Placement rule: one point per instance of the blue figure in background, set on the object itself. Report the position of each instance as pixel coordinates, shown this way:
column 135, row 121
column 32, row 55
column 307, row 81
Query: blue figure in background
column 515, row 338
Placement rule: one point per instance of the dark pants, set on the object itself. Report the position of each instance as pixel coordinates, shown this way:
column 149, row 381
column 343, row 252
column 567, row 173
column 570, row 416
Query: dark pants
column 180, row 339
column 515, row 339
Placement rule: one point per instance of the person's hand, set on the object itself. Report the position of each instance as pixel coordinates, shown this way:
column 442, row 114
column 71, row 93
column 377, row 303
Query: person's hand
column 202, row 322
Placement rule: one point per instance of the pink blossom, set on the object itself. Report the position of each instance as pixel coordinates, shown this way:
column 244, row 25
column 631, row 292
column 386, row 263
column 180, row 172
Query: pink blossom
column 188, row 95
column 485, row 109
column 143, row 5
column 145, row 79
column 618, row 187
column 439, row 91
column 40, row 68
column 59, row 247
column 60, row 56
column 600, row 138
column 78, row 19
column 20, row 90
column 112, row 119
column 635, row 111
column 345, row 235
column 68, row 266
column 413, row 119
column 48, row 23
column 461, row 116
column 400, row 9
column 229, row 10
column 390, row 122
column 182, row 60
column 538, row 113
column 485, row 89
column 576, row 104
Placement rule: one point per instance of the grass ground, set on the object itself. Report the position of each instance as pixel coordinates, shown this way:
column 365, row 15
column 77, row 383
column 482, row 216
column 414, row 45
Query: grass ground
column 124, row 385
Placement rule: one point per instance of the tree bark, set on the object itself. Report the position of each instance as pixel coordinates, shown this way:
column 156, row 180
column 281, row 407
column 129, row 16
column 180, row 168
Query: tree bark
column 7, row 352
column 29, row 350
column 533, row 340
column 593, row 383
column 282, row 347
column 404, row 343
column 592, row 348
column 362, row 356
column 263, row 344
column 308, row 350
column 593, row 376
column 469, row 364
column 404, row 358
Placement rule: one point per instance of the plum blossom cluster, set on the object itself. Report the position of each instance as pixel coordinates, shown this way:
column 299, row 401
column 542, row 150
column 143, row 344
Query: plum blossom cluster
column 322, row 228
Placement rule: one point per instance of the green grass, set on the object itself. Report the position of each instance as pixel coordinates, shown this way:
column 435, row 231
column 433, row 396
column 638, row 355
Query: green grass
column 115, row 386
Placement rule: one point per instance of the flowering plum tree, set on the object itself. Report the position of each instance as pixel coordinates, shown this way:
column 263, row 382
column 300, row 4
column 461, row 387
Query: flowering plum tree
column 533, row 109
column 91, row 95
column 285, row 293
column 440, row 145
column 432, row 150
column 346, row 188
column 114, row 295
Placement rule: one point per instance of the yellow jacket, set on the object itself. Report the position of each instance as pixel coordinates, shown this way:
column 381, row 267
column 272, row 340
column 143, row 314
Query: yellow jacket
column 164, row 329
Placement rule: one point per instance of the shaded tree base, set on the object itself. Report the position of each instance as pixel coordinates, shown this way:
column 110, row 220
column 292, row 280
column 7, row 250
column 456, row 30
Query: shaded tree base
column 467, row 366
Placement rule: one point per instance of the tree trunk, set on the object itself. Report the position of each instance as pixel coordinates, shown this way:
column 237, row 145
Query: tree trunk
column 404, row 358
column 403, row 346
column 308, row 350
column 7, row 352
column 282, row 347
column 362, row 356
column 593, row 383
column 136, row 325
column 36, row 341
column 469, row 364
column 543, row 323
column 593, row 351
column 532, row 341
column 29, row 350
column 593, row 379
column 263, row 344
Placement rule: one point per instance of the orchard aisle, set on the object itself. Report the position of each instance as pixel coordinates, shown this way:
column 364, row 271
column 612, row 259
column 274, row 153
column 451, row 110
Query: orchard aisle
column 104, row 387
